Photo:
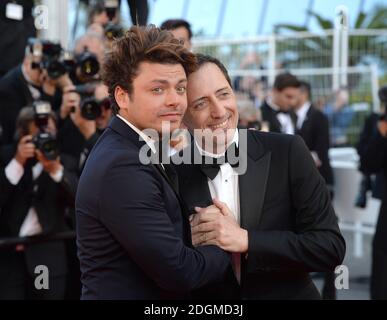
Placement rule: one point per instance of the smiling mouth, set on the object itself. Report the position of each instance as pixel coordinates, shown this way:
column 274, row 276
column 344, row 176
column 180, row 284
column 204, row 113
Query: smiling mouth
column 219, row 125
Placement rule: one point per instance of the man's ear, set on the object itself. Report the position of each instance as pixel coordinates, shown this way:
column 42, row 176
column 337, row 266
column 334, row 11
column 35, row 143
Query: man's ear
column 121, row 97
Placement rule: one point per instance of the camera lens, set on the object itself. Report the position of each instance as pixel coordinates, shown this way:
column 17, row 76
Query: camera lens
column 90, row 109
column 55, row 69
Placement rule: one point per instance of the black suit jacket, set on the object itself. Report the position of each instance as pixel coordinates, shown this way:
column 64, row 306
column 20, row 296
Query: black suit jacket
column 133, row 236
column 286, row 209
column 50, row 199
column 14, row 95
column 315, row 132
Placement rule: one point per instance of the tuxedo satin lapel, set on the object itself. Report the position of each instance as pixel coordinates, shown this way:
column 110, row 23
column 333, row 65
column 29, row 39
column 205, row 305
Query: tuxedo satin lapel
column 252, row 185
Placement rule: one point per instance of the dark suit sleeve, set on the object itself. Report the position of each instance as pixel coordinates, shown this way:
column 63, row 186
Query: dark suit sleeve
column 316, row 243
column 133, row 209
column 69, row 181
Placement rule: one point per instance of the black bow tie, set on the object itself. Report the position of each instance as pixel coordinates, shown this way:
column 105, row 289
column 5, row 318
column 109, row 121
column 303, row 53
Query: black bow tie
column 210, row 166
column 281, row 111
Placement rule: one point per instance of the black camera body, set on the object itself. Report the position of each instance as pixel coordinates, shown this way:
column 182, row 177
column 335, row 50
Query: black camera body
column 90, row 107
column 50, row 57
column 87, row 63
column 44, row 141
column 58, row 62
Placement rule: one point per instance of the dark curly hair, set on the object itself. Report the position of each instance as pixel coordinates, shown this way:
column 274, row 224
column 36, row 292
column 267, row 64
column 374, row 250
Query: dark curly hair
column 142, row 44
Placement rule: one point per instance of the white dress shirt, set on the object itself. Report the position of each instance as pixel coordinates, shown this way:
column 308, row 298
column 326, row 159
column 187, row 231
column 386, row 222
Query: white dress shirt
column 301, row 114
column 14, row 172
column 225, row 188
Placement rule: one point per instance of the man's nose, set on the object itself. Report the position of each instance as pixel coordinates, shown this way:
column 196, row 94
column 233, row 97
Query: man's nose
column 172, row 99
column 217, row 109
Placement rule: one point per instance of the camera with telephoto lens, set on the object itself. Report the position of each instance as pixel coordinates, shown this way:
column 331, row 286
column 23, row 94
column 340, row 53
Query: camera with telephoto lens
column 58, row 62
column 90, row 107
column 383, row 99
column 87, row 63
column 50, row 57
column 112, row 30
column 43, row 140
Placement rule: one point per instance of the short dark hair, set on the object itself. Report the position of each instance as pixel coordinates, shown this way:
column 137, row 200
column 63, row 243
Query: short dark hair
column 140, row 44
column 305, row 87
column 203, row 59
column 286, row 80
column 173, row 24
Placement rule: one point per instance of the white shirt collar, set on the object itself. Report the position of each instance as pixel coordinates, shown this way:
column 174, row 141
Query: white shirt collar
column 235, row 140
column 301, row 113
column 148, row 140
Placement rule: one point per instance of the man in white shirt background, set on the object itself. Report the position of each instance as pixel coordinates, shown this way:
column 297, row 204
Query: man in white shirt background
column 277, row 108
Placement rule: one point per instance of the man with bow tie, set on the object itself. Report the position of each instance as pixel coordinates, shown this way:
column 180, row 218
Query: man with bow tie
column 277, row 108
column 260, row 198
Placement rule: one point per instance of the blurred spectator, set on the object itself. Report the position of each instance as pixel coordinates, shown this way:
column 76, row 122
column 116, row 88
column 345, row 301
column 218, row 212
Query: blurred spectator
column 258, row 93
column 249, row 115
column 312, row 125
column 15, row 30
column 373, row 159
column 340, row 116
column 92, row 42
column 35, row 192
column 181, row 30
column 369, row 182
column 277, row 108
column 21, row 86
column 103, row 11
column 77, row 134
column 98, row 14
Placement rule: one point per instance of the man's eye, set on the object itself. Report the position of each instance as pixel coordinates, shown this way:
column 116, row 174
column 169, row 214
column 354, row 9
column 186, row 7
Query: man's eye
column 157, row 90
column 181, row 89
column 199, row 105
column 225, row 94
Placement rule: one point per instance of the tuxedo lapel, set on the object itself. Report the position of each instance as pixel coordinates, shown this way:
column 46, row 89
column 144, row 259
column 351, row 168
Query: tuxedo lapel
column 252, row 184
column 197, row 193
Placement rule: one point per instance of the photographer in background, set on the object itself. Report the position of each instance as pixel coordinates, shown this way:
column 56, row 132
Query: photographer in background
column 16, row 25
column 36, row 78
column 373, row 159
column 181, row 29
column 37, row 186
column 85, row 113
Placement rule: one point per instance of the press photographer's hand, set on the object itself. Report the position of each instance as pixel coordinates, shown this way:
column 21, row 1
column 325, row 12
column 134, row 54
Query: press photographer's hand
column 25, row 150
column 50, row 166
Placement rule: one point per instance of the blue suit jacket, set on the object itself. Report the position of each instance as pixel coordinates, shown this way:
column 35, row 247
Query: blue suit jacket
column 133, row 236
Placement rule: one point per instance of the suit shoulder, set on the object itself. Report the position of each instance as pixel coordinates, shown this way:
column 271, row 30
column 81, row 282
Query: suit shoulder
column 278, row 142
column 272, row 137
